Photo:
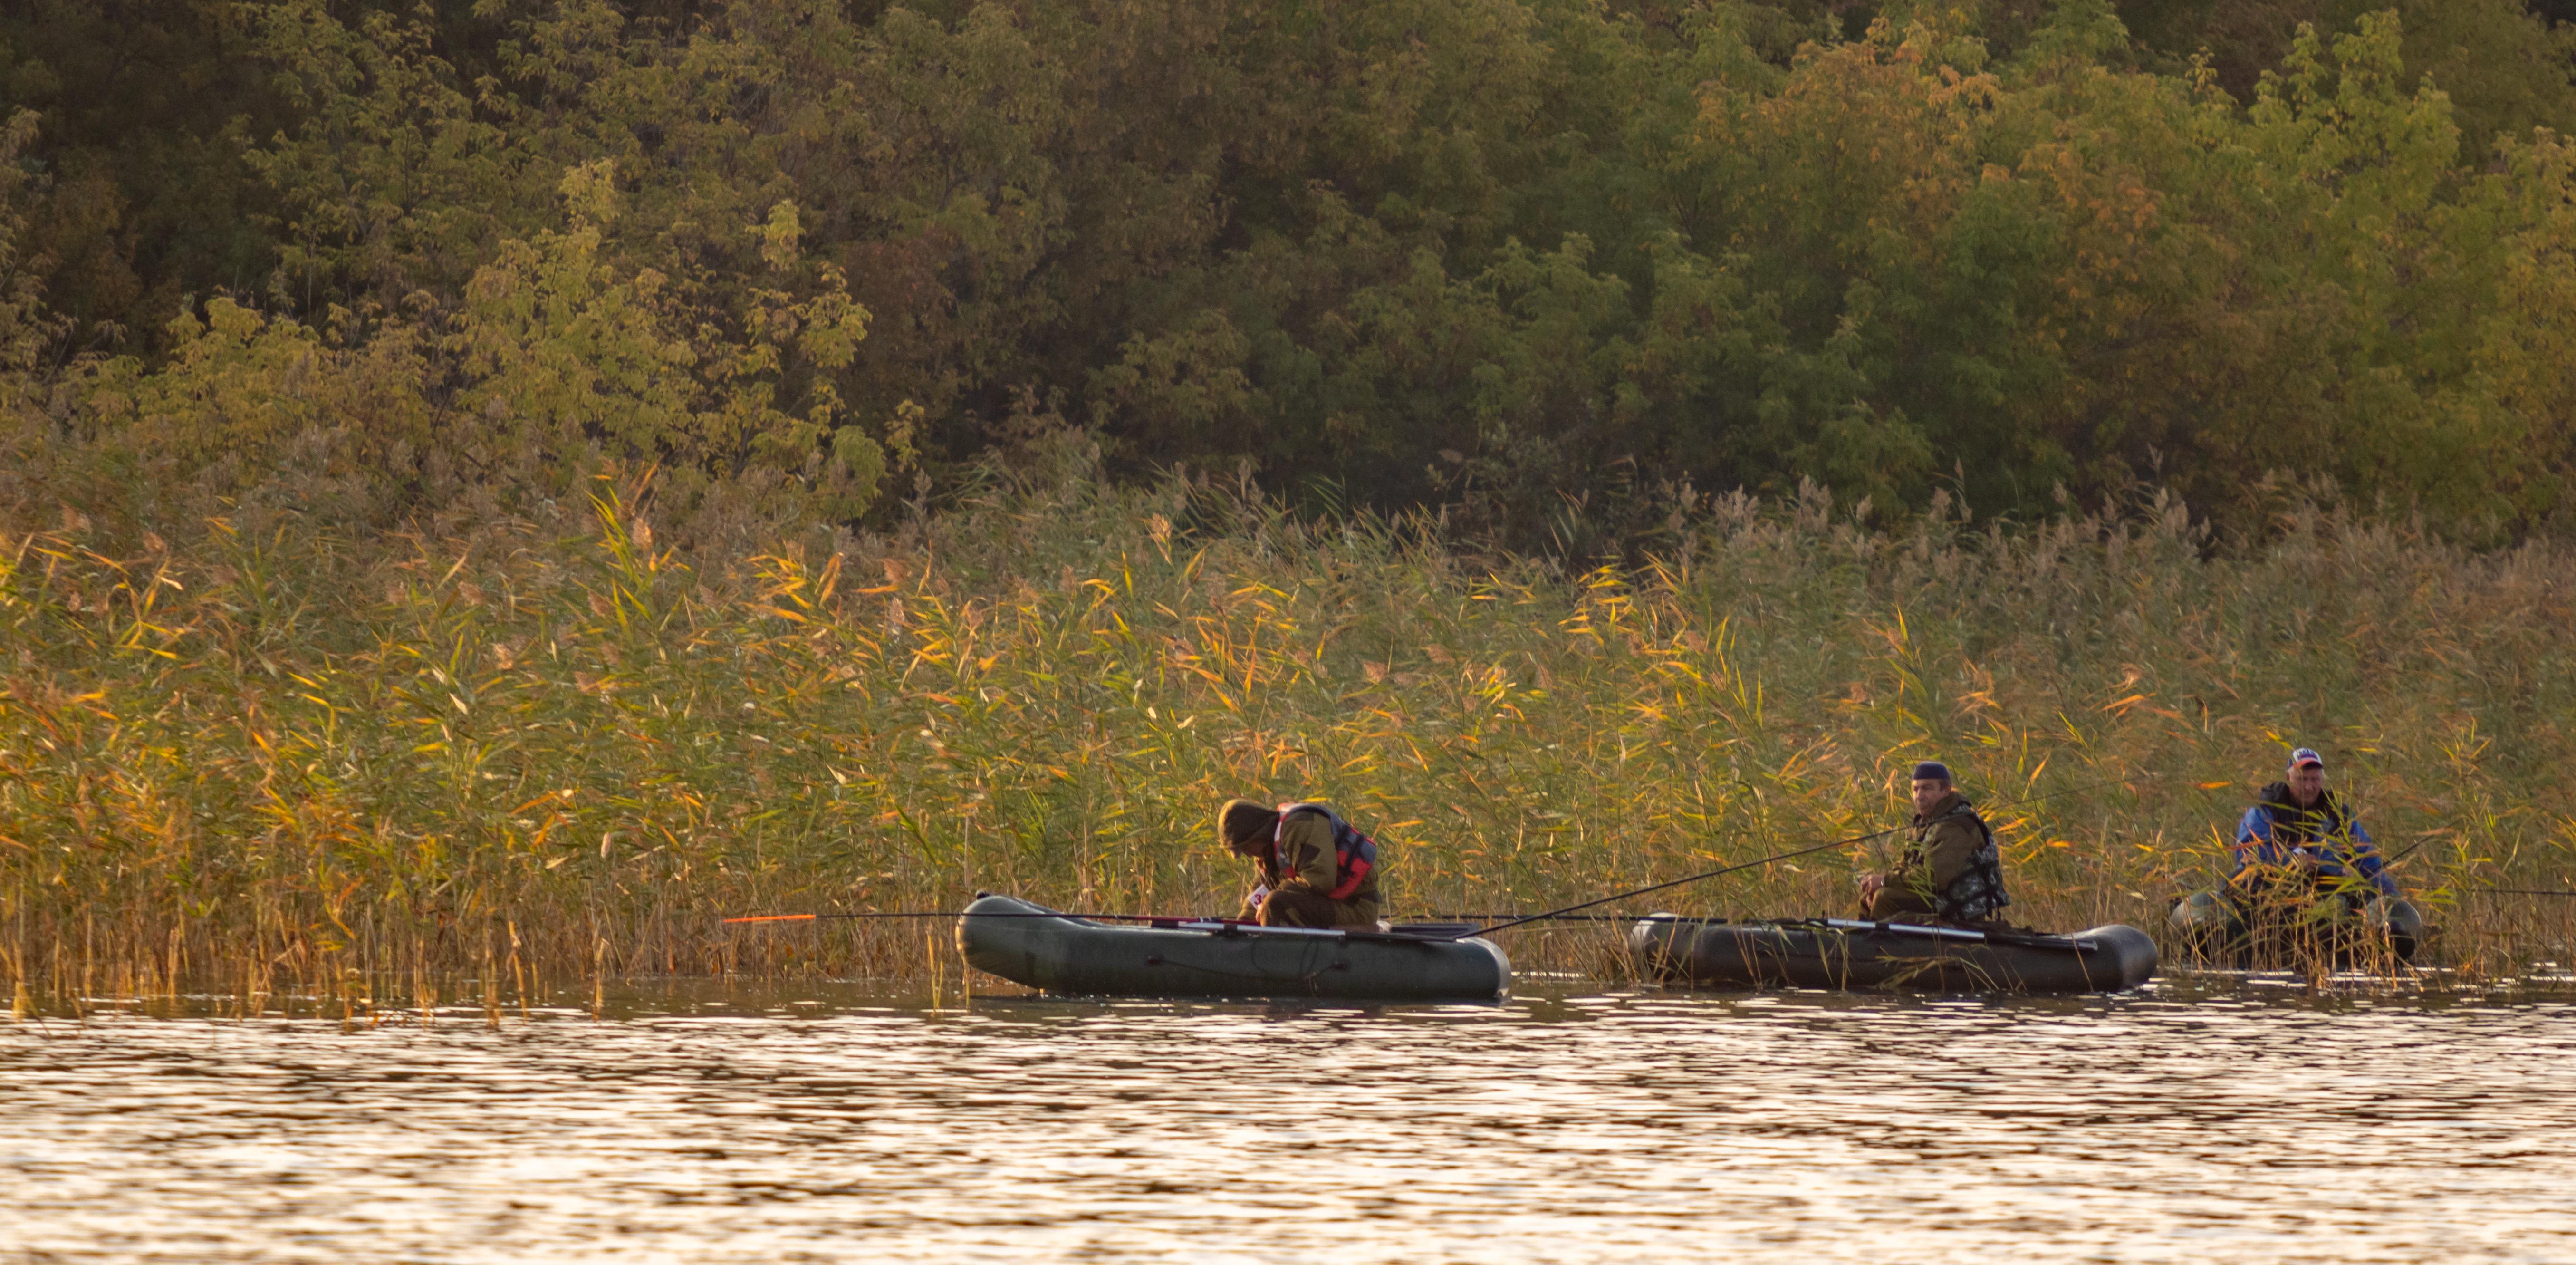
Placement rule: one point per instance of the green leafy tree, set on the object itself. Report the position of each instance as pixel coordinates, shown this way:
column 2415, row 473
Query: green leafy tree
column 1535, row 257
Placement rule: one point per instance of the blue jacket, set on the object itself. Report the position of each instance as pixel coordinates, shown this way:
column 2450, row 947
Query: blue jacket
column 2274, row 829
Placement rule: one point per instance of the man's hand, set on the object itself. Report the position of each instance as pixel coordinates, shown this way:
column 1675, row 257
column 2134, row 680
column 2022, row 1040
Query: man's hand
column 1870, row 883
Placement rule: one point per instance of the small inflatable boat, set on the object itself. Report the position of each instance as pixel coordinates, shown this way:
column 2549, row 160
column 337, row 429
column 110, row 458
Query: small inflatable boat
column 1179, row 957
column 2223, row 928
column 1839, row 953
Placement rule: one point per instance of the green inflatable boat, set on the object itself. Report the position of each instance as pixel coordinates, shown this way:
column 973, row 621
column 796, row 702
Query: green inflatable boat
column 1842, row 954
column 1183, row 957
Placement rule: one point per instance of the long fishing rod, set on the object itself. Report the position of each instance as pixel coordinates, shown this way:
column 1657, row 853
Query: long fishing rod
column 947, row 914
column 1228, row 926
column 2409, row 851
column 1785, row 856
column 1190, row 922
column 1730, row 869
column 1490, row 917
column 1513, row 922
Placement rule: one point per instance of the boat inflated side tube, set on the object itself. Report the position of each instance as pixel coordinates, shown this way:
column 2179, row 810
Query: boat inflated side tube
column 2216, row 928
column 1066, row 954
column 1844, row 954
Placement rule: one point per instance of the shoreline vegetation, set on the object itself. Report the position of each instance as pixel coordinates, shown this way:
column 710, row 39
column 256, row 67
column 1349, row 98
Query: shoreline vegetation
column 489, row 490
column 542, row 753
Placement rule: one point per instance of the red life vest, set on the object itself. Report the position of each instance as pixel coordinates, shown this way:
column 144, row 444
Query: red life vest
column 1354, row 854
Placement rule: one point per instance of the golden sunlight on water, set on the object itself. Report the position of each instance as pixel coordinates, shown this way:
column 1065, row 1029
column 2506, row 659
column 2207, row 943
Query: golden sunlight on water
column 2168, row 1126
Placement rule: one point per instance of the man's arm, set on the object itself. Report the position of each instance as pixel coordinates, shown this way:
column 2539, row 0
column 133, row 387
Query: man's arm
column 2254, row 839
column 2367, row 862
column 1913, row 886
column 1306, row 854
column 1896, row 899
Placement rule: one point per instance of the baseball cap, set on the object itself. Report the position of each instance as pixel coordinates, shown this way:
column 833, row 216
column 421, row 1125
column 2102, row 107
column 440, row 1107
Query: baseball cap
column 2304, row 756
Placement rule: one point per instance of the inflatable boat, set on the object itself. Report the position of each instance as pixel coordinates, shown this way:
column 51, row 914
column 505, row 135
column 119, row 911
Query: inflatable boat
column 1843, row 954
column 1179, row 957
column 2222, row 928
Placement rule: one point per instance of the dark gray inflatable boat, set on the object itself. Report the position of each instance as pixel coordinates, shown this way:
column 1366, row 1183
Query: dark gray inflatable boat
column 1839, row 953
column 1062, row 953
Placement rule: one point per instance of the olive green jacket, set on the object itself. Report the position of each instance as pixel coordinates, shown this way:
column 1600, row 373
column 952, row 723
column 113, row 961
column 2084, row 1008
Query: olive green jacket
column 1303, row 862
column 1940, row 850
column 1303, row 859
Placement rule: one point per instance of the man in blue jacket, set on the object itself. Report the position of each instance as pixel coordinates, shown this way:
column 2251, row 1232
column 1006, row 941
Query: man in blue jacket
column 2299, row 836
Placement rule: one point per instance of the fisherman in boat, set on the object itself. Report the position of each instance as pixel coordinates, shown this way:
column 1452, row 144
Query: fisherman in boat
column 1316, row 871
column 1950, row 871
column 2307, row 876
column 2299, row 838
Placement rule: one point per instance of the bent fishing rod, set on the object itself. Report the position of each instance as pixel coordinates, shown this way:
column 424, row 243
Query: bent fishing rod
column 1746, row 865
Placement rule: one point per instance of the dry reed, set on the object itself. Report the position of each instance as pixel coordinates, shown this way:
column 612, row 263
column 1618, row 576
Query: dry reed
column 528, row 759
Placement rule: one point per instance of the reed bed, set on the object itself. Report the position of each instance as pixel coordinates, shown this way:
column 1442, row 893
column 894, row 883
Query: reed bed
column 540, row 755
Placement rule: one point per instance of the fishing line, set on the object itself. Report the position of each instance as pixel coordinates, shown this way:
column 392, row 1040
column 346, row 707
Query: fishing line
column 1784, row 856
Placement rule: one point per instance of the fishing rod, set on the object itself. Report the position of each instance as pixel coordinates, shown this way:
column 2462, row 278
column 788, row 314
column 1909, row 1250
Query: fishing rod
column 1730, row 869
column 1091, row 917
column 2410, row 850
column 946, row 914
column 1181, row 922
column 1785, row 856
column 1185, row 922
column 1489, row 917
column 1513, row 922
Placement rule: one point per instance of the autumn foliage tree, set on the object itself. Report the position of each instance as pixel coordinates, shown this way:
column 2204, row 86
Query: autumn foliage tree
column 1547, row 262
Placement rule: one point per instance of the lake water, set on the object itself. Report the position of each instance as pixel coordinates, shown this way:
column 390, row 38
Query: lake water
column 2248, row 1124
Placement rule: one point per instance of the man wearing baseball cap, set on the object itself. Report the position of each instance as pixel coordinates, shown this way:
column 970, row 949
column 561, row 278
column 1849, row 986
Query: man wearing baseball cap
column 2297, row 828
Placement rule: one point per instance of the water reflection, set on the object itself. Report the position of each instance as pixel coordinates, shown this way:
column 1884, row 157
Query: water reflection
column 2242, row 1124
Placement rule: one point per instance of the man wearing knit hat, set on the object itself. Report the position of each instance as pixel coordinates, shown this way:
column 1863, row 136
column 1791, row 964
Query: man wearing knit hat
column 1950, row 870
column 1316, row 871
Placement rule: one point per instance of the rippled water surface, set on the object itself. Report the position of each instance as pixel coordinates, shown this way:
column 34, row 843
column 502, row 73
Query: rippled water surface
column 2245, row 1126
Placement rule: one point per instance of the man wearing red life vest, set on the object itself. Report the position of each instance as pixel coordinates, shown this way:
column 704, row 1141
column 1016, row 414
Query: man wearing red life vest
column 1316, row 871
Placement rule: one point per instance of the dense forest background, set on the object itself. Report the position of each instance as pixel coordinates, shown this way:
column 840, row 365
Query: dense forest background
column 1551, row 264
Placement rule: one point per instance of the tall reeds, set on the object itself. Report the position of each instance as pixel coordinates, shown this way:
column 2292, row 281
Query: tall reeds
column 542, row 754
